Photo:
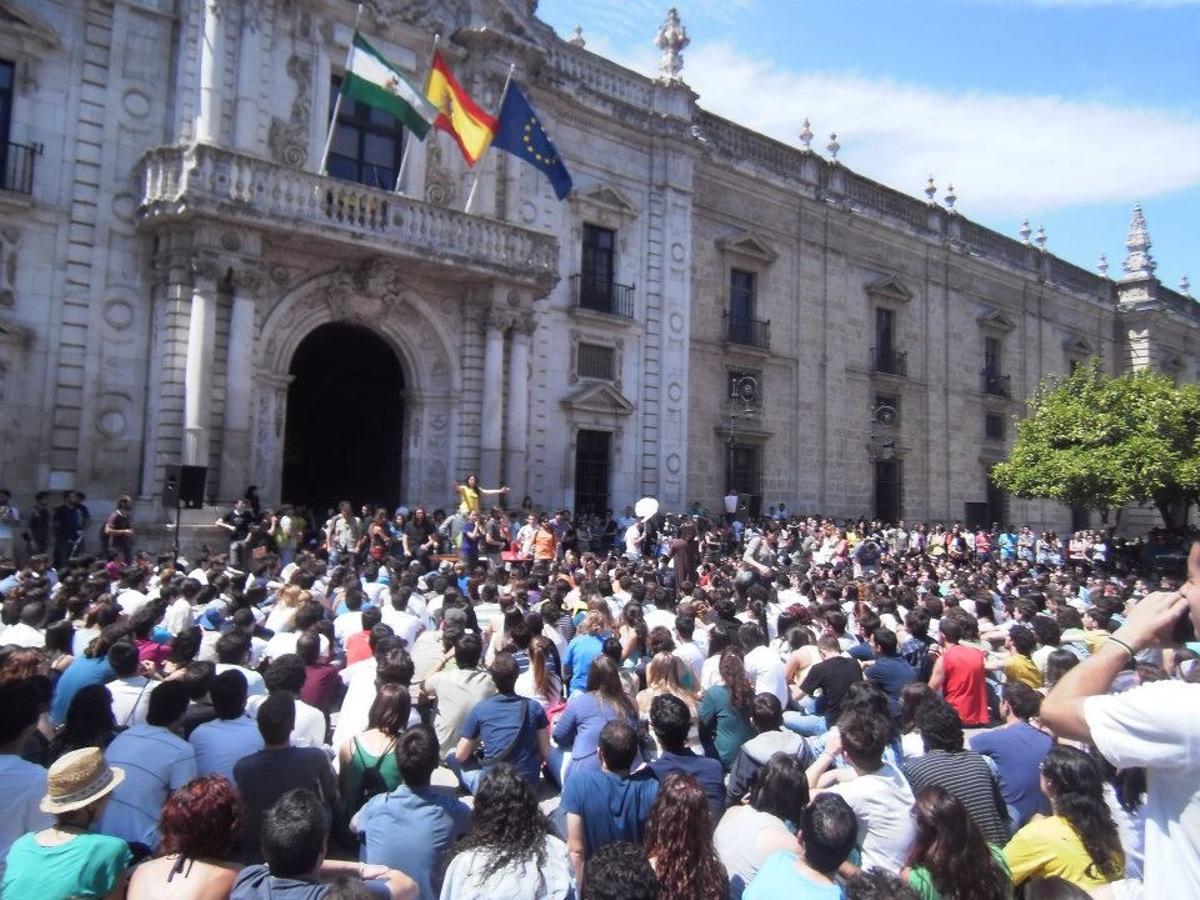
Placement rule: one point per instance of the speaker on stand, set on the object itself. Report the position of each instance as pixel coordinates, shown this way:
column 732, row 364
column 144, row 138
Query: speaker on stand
column 183, row 486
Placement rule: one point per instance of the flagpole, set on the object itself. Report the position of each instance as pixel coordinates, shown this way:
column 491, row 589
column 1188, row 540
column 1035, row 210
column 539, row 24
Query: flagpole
column 408, row 138
column 337, row 104
column 503, row 94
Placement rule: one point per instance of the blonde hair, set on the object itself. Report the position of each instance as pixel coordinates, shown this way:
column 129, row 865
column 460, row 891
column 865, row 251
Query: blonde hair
column 664, row 675
column 290, row 596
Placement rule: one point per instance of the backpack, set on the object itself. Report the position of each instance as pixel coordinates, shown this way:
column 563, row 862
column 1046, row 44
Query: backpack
column 372, row 782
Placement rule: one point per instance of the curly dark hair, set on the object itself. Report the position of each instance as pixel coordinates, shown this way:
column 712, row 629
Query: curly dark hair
column 619, row 871
column 733, row 672
column 951, row 847
column 679, row 841
column 1077, row 786
column 506, row 822
column 201, row 819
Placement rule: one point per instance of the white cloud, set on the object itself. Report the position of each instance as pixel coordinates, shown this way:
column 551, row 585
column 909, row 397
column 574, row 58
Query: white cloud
column 1005, row 154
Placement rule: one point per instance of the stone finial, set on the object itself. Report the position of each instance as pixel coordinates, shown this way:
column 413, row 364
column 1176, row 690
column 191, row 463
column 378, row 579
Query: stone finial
column 1138, row 260
column 1025, row 231
column 1102, row 265
column 1040, row 239
column 833, row 147
column 1185, row 286
column 930, row 189
column 671, row 39
column 576, row 38
column 806, row 136
column 951, row 198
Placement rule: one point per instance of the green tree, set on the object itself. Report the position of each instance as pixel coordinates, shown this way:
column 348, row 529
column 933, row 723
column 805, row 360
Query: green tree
column 1102, row 442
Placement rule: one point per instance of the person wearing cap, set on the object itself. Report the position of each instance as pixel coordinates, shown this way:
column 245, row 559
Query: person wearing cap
column 66, row 859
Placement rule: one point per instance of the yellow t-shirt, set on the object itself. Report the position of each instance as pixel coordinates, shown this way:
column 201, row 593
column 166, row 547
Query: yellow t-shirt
column 468, row 499
column 1021, row 668
column 1049, row 847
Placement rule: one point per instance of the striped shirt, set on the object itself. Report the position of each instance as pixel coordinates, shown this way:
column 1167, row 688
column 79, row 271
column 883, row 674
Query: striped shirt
column 966, row 775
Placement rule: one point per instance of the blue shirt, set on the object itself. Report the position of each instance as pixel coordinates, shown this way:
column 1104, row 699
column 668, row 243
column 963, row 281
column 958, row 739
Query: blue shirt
column 779, row 879
column 891, row 673
column 706, row 770
column 579, row 728
column 613, row 807
column 1018, row 751
column 78, row 675
column 580, row 652
column 497, row 720
column 411, row 829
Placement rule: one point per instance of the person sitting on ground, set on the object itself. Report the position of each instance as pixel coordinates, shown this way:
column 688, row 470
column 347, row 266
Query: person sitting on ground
column 611, row 804
column 510, row 850
column 367, row 763
column 263, row 777
column 67, row 859
column 156, row 762
column 509, row 728
column 1017, row 751
column 457, row 690
column 772, row 738
column 679, row 843
column 587, row 712
column 199, row 825
column 413, row 827
column 827, row 835
column 876, row 884
column 671, row 722
column 286, row 674
column 295, row 836
column 832, row 676
column 949, row 858
column 725, row 711
column 964, row 773
column 748, row 834
column 219, row 744
column 619, row 871
column 130, row 689
column 24, row 782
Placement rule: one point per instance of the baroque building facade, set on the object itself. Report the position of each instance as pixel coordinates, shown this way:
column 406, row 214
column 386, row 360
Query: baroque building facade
column 180, row 283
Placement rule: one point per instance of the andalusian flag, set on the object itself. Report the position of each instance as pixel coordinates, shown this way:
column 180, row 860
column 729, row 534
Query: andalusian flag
column 457, row 114
column 372, row 80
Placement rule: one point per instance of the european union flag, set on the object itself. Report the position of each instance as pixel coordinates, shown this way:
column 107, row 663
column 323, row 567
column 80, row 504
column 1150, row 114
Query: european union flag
column 520, row 132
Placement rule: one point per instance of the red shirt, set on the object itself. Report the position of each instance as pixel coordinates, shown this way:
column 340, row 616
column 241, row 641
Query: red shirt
column 358, row 647
column 320, row 686
column 963, row 684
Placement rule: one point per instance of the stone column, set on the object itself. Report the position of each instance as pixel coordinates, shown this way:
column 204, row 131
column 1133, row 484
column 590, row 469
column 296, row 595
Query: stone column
column 249, row 72
column 516, row 429
column 197, row 383
column 491, row 415
column 239, row 372
column 212, row 72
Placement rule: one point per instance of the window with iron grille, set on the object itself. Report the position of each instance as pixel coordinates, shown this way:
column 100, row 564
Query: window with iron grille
column 367, row 144
column 740, row 387
column 596, row 361
column 993, row 426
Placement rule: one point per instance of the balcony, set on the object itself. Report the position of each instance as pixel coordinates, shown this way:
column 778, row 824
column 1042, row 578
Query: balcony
column 995, row 384
column 206, row 182
column 602, row 295
column 16, row 167
column 889, row 361
column 748, row 332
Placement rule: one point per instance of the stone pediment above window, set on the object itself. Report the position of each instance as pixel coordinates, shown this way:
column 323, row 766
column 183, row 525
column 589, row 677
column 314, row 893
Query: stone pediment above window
column 606, row 199
column 598, row 397
column 890, row 289
column 25, row 30
column 749, row 245
column 995, row 319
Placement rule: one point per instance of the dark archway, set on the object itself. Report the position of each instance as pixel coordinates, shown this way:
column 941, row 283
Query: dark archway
column 345, row 419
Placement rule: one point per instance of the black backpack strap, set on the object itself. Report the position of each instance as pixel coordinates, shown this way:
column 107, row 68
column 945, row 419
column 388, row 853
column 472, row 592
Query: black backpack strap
column 512, row 745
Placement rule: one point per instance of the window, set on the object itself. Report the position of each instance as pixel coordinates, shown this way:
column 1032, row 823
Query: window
column 745, row 388
column 991, row 356
column 595, row 361
column 367, row 144
column 887, row 409
column 743, row 471
column 741, row 295
column 6, row 101
column 993, row 426
column 592, row 454
column 885, row 330
column 599, row 258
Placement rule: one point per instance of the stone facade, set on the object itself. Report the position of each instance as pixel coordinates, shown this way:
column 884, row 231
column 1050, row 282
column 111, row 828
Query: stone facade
column 177, row 244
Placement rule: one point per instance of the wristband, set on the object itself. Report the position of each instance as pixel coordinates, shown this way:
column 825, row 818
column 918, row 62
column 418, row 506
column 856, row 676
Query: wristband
column 1120, row 643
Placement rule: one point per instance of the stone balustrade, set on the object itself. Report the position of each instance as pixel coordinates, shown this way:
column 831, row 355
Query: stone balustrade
column 202, row 180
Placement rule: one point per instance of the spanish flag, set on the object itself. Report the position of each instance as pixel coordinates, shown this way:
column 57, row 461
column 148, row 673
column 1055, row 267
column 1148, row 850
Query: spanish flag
column 458, row 115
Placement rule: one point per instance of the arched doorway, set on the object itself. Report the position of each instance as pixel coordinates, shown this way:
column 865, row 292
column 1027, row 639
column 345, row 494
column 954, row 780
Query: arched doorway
column 345, row 419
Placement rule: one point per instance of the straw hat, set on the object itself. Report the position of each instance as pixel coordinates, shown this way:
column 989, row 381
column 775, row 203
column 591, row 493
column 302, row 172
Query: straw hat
column 78, row 779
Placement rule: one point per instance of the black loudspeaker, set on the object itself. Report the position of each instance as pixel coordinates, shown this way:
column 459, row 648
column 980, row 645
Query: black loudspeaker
column 185, row 485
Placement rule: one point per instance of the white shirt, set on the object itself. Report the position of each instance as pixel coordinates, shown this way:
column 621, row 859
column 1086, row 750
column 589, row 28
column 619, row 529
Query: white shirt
column 403, row 624
column 130, row 699
column 131, row 600
column 692, row 656
column 24, row 786
column 156, row 763
column 219, row 744
column 309, row 730
column 633, row 539
column 882, row 804
column 178, row 617
column 22, row 635
column 1145, row 727
column 766, row 671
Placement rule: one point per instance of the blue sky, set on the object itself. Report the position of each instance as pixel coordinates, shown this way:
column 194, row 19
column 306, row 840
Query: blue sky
column 1066, row 112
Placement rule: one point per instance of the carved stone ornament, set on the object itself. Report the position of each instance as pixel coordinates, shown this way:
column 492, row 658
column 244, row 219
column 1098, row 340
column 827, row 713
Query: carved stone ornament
column 288, row 140
column 1138, row 260
column 671, row 39
column 436, row 16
